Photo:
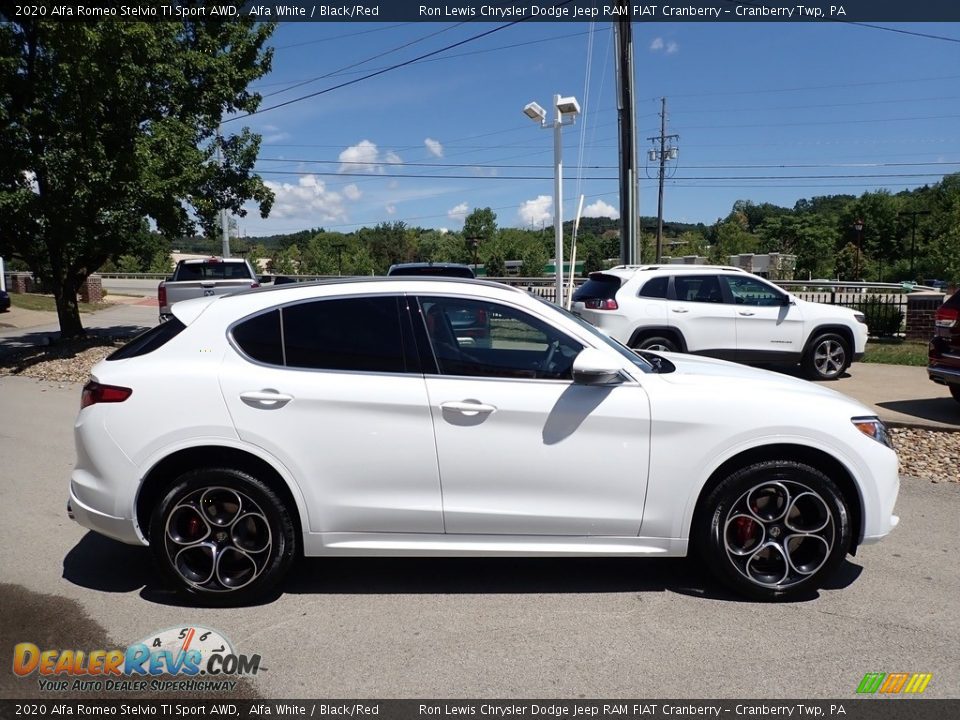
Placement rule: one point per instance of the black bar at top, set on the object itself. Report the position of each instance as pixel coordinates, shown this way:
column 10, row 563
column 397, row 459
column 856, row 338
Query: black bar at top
column 353, row 11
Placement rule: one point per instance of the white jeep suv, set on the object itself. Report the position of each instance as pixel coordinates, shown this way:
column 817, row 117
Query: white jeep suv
column 723, row 312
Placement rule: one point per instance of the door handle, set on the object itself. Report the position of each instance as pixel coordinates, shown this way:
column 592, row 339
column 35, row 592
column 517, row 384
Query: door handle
column 468, row 408
column 266, row 399
column 746, row 312
column 680, row 310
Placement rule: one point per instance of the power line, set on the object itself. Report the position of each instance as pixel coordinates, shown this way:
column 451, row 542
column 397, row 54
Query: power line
column 386, row 69
column 547, row 178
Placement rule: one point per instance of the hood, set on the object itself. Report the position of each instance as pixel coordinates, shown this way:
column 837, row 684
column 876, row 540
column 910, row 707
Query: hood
column 694, row 370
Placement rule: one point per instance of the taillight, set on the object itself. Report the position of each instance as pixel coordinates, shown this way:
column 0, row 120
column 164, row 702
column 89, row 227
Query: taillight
column 161, row 295
column 601, row 304
column 94, row 392
column 946, row 317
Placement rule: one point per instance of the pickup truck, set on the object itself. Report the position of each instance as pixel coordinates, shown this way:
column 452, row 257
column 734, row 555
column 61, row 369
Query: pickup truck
column 202, row 277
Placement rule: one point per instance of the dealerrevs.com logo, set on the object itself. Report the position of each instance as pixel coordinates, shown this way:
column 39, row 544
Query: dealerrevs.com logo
column 188, row 659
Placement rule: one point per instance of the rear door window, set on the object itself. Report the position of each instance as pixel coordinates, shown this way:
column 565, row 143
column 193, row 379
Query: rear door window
column 698, row 288
column 358, row 333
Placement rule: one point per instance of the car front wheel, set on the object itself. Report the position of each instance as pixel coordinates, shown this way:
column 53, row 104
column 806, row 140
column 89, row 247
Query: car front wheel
column 955, row 391
column 827, row 357
column 222, row 536
column 775, row 529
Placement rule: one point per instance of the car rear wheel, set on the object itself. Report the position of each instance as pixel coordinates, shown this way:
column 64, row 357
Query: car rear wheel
column 827, row 357
column 657, row 344
column 222, row 537
column 775, row 529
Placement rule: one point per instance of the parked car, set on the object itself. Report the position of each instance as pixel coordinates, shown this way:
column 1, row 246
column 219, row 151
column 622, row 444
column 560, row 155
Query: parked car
column 203, row 277
column 347, row 418
column 722, row 312
column 4, row 301
column 943, row 364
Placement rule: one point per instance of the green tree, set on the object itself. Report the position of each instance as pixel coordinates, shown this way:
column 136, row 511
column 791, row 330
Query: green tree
column 533, row 260
column 105, row 124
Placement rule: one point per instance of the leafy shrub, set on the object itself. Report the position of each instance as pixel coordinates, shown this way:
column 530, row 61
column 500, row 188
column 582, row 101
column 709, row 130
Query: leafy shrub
column 883, row 317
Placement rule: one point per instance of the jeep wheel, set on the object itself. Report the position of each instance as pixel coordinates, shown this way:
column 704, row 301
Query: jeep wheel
column 827, row 357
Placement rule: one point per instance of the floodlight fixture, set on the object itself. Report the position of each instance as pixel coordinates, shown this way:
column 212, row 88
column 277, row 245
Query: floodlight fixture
column 535, row 112
column 568, row 106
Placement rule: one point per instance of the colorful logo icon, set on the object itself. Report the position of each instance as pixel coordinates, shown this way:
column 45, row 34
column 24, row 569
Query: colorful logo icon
column 894, row 683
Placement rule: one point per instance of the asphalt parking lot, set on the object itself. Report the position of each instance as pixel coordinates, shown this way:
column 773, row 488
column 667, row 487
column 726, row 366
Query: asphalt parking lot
column 481, row 628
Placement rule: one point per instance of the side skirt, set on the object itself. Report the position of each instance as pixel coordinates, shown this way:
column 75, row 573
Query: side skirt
column 438, row 545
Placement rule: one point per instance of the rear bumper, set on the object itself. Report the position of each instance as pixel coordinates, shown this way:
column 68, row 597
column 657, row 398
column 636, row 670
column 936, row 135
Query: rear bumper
column 944, row 375
column 118, row 528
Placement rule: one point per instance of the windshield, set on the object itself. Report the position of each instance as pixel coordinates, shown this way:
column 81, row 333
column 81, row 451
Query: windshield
column 620, row 348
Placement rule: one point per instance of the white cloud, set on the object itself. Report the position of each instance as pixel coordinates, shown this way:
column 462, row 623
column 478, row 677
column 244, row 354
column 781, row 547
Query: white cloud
column 443, row 231
column 308, row 199
column 536, row 211
column 275, row 138
column 434, row 147
column 601, row 209
column 364, row 157
column 458, row 212
column 668, row 46
column 351, row 192
column 391, row 209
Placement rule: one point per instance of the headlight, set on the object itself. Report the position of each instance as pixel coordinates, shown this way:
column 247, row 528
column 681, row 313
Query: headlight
column 860, row 317
column 873, row 428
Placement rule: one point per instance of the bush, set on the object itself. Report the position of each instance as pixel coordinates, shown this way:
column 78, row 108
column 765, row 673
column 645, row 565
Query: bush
column 883, row 317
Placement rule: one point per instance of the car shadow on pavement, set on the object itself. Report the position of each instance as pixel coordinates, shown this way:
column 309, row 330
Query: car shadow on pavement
column 98, row 563
column 942, row 409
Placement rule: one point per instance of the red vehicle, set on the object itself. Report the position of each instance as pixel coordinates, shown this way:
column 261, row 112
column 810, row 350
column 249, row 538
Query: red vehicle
column 944, row 361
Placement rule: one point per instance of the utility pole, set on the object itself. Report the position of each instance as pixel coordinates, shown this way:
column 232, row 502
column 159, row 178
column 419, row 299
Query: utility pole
column 913, row 236
column 627, row 137
column 663, row 154
column 224, row 230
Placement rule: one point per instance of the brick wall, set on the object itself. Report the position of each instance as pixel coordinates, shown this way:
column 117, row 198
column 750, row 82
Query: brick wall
column 19, row 283
column 92, row 290
column 921, row 308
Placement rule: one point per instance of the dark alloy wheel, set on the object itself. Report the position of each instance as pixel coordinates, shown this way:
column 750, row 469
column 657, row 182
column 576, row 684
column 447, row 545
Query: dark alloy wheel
column 827, row 357
column 657, row 344
column 222, row 537
column 775, row 529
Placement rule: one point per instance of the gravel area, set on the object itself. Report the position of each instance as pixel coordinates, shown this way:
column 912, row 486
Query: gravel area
column 929, row 454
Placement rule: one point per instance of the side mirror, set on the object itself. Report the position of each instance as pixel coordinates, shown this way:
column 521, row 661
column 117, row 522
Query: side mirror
column 593, row 367
column 786, row 300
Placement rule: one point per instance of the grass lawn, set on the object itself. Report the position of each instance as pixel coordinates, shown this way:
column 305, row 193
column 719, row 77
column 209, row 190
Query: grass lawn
column 896, row 352
column 32, row 301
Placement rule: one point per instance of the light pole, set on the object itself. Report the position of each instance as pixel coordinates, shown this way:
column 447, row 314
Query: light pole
column 474, row 245
column 339, row 248
column 858, row 226
column 567, row 110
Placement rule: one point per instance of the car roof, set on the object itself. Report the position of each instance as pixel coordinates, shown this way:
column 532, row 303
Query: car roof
column 211, row 259
column 254, row 299
column 676, row 267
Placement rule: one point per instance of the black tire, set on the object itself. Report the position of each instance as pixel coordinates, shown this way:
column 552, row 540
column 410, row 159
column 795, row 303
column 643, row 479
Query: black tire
column 826, row 357
column 955, row 391
column 774, row 530
column 657, row 343
column 222, row 537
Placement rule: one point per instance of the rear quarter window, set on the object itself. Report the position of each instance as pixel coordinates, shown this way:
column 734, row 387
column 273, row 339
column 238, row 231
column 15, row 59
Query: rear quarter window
column 655, row 288
column 259, row 337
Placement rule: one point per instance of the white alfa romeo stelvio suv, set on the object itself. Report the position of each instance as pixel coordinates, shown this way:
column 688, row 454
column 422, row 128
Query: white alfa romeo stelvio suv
column 367, row 417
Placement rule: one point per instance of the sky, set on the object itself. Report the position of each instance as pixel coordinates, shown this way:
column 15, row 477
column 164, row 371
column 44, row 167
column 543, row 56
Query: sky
column 767, row 112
